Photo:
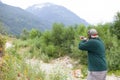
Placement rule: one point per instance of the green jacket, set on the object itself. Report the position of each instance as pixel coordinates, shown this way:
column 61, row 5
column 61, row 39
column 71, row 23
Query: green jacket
column 96, row 54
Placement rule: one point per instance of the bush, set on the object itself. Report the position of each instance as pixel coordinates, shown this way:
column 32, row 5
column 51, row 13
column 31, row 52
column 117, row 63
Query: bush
column 113, row 59
column 2, row 45
column 2, row 41
column 24, row 35
column 17, row 69
column 34, row 33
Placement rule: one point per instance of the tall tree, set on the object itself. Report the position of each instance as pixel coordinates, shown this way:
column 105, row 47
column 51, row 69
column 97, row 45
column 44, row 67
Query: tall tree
column 57, row 33
column 116, row 26
column 24, row 34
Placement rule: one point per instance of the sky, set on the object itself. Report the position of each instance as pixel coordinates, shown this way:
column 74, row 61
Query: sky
column 93, row 11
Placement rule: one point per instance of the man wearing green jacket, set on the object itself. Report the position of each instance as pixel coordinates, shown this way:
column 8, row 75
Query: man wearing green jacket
column 97, row 67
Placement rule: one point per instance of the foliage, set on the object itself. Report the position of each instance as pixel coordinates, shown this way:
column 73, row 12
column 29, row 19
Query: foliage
column 113, row 59
column 2, row 44
column 84, row 71
column 24, row 35
column 2, row 41
column 60, row 41
column 116, row 25
column 34, row 33
column 16, row 69
column 7, row 69
column 81, row 30
column 2, row 29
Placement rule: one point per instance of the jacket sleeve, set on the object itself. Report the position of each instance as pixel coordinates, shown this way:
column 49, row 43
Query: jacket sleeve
column 84, row 45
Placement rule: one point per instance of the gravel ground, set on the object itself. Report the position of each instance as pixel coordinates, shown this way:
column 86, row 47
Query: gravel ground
column 65, row 64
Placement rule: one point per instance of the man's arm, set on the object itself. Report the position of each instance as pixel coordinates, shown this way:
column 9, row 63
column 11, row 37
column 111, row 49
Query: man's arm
column 86, row 45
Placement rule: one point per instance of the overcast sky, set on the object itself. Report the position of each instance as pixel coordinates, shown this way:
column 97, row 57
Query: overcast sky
column 93, row 11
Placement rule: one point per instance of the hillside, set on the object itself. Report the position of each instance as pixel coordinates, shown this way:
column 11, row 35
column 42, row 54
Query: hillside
column 16, row 19
column 40, row 17
column 54, row 13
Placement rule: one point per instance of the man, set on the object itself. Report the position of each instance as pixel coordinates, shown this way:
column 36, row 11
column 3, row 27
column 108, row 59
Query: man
column 97, row 68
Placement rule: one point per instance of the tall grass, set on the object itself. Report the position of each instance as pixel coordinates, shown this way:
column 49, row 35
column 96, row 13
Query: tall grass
column 16, row 69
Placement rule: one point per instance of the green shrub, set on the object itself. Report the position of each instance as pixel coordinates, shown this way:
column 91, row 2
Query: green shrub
column 113, row 59
column 17, row 69
column 50, row 50
column 84, row 71
column 2, row 45
column 34, row 33
column 2, row 40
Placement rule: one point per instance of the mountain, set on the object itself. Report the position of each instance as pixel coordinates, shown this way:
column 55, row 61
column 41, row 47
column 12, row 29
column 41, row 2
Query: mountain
column 55, row 14
column 16, row 19
column 40, row 17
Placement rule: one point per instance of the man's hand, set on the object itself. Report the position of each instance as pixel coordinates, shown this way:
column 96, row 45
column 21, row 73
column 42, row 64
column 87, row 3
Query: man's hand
column 83, row 38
